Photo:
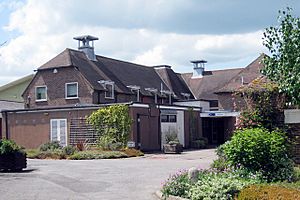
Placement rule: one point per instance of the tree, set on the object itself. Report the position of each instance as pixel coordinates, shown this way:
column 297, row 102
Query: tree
column 283, row 65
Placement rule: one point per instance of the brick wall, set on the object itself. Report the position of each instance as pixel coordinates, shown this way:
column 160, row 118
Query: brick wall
column 55, row 83
column 295, row 129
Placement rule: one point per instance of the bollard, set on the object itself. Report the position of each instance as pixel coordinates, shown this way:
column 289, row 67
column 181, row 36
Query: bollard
column 193, row 175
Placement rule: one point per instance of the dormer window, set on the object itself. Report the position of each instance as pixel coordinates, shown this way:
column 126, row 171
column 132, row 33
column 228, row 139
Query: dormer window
column 154, row 92
column 109, row 88
column 109, row 93
column 135, row 89
column 169, row 93
column 41, row 93
column 71, row 90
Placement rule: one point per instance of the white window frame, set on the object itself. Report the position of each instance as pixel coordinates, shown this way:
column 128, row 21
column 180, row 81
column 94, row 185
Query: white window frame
column 46, row 96
column 58, row 128
column 138, row 96
column 66, row 90
column 112, row 92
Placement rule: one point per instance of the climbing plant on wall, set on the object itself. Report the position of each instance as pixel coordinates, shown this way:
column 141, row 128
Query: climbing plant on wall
column 264, row 105
column 112, row 123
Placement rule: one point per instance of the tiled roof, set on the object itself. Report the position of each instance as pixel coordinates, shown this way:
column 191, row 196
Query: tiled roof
column 248, row 74
column 174, row 81
column 205, row 87
column 122, row 73
column 10, row 105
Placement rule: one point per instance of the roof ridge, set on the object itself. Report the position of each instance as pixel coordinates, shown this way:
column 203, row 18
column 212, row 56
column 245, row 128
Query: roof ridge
column 135, row 64
column 242, row 71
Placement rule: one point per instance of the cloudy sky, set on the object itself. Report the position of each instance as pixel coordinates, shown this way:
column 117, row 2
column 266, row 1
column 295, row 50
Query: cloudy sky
column 226, row 33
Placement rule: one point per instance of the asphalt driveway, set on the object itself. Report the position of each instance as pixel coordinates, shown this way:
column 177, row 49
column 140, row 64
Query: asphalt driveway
column 130, row 178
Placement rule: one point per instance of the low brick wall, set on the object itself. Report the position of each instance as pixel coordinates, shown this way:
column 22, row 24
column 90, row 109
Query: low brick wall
column 295, row 128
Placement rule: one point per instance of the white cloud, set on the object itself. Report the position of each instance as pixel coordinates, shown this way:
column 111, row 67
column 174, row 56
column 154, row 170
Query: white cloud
column 152, row 57
column 47, row 28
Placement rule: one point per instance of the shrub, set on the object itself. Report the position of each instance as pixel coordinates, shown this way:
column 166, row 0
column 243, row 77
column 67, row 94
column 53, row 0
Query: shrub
column 259, row 150
column 133, row 152
column 89, row 155
column 115, row 146
column 69, row 150
column 8, row 146
column 171, row 138
column 32, row 153
column 254, row 192
column 113, row 122
column 104, row 141
column 210, row 185
column 220, row 164
column 50, row 146
column 200, row 143
column 54, row 154
column 177, row 184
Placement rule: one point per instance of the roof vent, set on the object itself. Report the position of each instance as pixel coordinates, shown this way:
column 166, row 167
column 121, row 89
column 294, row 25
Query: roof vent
column 84, row 45
column 199, row 68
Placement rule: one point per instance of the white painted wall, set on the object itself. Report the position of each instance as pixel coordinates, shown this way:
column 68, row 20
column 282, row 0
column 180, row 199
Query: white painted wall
column 203, row 104
column 292, row 116
column 178, row 127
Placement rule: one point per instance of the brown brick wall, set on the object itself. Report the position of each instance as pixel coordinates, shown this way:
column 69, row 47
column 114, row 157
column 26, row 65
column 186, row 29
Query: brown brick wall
column 229, row 101
column 56, row 88
column 31, row 129
column 295, row 128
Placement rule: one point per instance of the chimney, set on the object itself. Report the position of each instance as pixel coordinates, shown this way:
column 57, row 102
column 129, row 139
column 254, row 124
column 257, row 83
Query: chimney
column 198, row 68
column 84, row 45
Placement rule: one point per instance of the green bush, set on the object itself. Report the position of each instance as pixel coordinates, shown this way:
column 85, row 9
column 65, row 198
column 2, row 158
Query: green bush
column 254, row 192
column 210, row 185
column 177, row 184
column 89, row 155
column 9, row 146
column 171, row 138
column 115, row 146
column 69, row 150
column 32, row 153
column 50, row 146
column 220, row 164
column 53, row 154
column 259, row 150
column 112, row 122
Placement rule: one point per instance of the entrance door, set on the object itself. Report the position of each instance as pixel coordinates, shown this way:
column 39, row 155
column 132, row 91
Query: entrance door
column 58, row 131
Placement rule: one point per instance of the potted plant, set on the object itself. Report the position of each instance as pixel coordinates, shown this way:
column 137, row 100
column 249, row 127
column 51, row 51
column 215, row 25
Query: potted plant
column 172, row 144
column 12, row 157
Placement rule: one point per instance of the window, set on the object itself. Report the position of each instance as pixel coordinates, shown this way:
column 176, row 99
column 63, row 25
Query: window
column 137, row 91
column 109, row 93
column 58, row 131
column 168, row 118
column 71, row 90
column 41, row 93
column 164, row 118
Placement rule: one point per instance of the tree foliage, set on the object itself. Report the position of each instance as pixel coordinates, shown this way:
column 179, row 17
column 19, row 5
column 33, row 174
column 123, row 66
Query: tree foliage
column 283, row 65
column 259, row 150
column 112, row 123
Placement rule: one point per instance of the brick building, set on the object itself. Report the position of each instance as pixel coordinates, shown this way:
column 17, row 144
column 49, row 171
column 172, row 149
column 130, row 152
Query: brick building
column 75, row 83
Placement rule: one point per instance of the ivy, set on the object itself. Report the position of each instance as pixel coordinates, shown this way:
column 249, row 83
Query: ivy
column 112, row 122
column 264, row 105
